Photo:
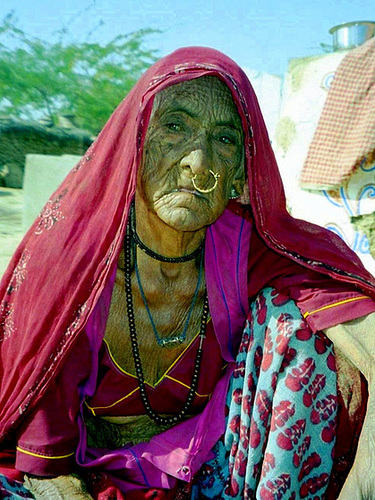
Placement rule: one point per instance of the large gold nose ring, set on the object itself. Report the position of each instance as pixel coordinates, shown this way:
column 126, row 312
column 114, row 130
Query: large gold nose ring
column 216, row 177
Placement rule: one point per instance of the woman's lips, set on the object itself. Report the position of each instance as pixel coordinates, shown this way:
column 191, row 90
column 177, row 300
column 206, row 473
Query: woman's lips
column 186, row 190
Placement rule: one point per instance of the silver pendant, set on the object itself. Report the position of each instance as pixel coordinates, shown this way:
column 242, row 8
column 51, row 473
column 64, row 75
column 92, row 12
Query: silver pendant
column 172, row 342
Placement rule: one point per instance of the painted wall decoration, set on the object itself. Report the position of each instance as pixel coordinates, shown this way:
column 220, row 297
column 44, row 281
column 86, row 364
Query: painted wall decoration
column 305, row 89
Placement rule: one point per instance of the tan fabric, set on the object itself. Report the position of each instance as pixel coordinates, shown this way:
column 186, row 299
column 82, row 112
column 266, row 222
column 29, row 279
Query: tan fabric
column 356, row 340
column 59, row 488
column 355, row 350
column 345, row 136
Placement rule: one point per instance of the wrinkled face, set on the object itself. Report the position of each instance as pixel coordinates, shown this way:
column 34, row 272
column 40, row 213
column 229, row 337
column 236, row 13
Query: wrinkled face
column 194, row 128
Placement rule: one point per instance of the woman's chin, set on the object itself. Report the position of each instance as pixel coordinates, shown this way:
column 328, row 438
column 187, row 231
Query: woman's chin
column 184, row 219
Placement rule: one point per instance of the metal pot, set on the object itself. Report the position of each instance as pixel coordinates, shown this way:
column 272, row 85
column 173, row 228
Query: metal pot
column 350, row 35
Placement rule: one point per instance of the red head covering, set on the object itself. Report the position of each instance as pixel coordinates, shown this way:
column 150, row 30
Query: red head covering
column 65, row 259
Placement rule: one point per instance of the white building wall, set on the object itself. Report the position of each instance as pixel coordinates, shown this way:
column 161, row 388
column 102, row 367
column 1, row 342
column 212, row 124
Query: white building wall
column 268, row 91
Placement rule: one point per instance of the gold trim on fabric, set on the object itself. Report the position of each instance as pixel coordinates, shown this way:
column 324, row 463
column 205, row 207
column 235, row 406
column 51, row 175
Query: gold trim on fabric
column 188, row 387
column 335, row 305
column 165, row 375
column 43, row 456
column 115, row 362
column 93, row 408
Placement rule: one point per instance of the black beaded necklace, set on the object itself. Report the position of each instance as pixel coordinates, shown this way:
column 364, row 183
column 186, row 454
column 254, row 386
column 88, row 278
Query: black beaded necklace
column 157, row 256
column 136, row 357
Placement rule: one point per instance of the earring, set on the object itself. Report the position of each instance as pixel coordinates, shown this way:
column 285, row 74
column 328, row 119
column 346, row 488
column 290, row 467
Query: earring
column 233, row 193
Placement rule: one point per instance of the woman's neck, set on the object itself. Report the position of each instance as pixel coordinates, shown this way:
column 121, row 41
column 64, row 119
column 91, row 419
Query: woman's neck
column 161, row 238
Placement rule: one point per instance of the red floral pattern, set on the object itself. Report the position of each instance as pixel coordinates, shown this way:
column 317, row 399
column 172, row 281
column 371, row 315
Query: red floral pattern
column 281, row 410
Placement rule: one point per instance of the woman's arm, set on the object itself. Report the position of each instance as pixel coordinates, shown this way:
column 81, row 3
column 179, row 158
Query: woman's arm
column 356, row 340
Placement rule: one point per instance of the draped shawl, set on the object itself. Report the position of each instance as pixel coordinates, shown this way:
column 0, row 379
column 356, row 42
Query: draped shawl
column 64, row 261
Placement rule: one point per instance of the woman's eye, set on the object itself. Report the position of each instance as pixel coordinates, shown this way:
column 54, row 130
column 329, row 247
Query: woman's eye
column 226, row 140
column 173, row 127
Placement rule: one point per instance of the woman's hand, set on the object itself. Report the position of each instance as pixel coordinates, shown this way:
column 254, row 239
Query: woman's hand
column 69, row 487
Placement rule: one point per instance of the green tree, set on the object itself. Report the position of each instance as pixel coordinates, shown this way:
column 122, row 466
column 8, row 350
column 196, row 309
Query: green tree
column 86, row 80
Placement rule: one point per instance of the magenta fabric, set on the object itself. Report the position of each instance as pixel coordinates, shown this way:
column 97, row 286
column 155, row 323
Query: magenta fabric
column 169, row 393
column 46, row 433
column 61, row 267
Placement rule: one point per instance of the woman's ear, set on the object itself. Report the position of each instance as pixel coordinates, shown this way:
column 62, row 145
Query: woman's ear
column 238, row 181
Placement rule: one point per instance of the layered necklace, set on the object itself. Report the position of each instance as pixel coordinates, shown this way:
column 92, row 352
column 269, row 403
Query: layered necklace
column 177, row 339
column 169, row 342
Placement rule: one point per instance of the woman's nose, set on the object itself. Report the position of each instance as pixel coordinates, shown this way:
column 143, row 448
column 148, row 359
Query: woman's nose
column 197, row 160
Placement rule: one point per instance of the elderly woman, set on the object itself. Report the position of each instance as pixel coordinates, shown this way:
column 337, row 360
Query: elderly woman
column 161, row 322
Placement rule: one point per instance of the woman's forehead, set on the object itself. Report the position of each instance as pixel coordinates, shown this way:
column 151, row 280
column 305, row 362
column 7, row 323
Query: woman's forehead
column 205, row 93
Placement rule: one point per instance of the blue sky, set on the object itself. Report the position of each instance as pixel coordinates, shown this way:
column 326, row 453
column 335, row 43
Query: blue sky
column 259, row 34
